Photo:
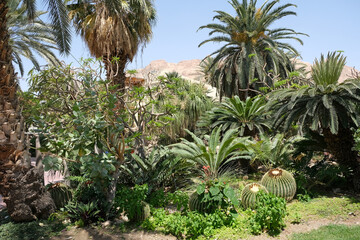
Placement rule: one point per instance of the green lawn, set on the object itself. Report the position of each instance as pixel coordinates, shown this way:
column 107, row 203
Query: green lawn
column 333, row 232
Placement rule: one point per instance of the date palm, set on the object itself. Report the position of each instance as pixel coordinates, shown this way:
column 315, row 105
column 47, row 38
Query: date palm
column 253, row 53
column 326, row 106
column 29, row 37
column 114, row 32
column 21, row 184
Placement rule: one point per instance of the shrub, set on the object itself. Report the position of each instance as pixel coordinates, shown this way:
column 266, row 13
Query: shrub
column 82, row 214
column 270, row 212
column 211, row 195
column 131, row 201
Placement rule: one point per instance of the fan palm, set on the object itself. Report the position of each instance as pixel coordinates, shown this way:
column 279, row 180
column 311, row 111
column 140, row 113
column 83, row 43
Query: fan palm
column 248, row 116
column 114, row 32
column 326, row 106
column 253, row 53
column 18, row 180
column 213, row 156
column 26, row 37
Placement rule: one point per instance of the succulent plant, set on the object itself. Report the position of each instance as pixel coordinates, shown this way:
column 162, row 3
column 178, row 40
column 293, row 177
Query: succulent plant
column 143, row 214
column 60, row 193
column 195, row 203
column 249, row 193
column 280, row 182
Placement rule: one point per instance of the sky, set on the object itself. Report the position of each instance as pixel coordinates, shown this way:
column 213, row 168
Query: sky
column 332, row 25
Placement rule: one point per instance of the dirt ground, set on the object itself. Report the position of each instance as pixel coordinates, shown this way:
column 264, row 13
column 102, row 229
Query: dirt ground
column 102, row 234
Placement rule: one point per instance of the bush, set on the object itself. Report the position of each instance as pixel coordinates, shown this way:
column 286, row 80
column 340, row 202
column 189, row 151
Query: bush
column 82, row 214
column 131, row 201
column 269, row 214
column 189, row 225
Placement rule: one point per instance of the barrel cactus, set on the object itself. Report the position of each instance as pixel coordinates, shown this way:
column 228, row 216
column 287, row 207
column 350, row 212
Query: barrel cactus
column 60, row 193
column 249, row 193
column 195, row 203
column 142, row 213
column 280, row 183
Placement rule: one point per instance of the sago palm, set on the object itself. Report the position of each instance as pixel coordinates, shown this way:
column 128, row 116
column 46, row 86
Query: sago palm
column 29, row 37
column 253, row 53
column 327, row 106
column 114, row 32
column 213, row 153
column 20, row 184
column 248, row 116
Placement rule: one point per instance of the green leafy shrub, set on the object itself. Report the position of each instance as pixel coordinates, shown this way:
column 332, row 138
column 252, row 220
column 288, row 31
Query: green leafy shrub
column 132, row 202
column 82, row 214
column 249, row 194
column 180, row 199
column 189, row 225
column 270, row 212
column 280, row 183
column 211, row 195
column 60, row 193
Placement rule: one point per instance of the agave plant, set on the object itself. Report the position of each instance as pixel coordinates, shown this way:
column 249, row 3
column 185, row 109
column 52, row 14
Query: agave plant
column 248, row 116
column 214, row 152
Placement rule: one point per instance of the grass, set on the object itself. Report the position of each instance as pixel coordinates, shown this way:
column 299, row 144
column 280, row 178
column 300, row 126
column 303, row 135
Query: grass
column 27, row 231
column 323, row 207
column 333, row 232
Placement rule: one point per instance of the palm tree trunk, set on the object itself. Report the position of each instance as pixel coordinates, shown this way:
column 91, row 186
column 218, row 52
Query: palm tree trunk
column 341, row 146
column 115, row 70
column 20, row 184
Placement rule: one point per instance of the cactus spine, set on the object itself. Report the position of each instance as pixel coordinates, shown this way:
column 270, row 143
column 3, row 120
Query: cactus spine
column 249, row 193
column 280, row 183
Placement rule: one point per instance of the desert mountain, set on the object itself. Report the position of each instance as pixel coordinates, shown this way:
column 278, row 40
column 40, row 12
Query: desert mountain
column 189, row 69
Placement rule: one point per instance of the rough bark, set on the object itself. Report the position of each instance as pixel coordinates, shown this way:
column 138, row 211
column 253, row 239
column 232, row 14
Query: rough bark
column 20, row 184
column 341, row 146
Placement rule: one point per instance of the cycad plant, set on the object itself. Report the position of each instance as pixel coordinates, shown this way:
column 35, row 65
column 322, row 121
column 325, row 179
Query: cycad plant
column 327, row 106
column 252, row 52
column 271, row 151
column 248, row 116
column 213, row 152
column 160, row 169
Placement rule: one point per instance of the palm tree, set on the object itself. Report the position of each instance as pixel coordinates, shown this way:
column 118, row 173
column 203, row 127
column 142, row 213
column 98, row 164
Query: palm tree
column 248, row 116
column 28, row 37
column 253, row 53
column 20, row 184
column 114, row 33
column 326, row 106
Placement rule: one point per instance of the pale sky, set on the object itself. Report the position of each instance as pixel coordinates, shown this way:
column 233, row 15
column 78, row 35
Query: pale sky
column 331, row 25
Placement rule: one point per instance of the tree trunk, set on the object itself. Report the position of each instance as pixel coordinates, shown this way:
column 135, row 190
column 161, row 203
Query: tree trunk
column 20, row 184
column 115, row 70
column 341, row 146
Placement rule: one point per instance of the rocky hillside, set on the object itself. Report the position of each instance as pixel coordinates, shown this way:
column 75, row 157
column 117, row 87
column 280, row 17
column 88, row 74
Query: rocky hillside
column 189, row 69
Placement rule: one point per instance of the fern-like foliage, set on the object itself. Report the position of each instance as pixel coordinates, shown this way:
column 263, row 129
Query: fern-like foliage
column 327, row 104
column 213, row 152
column 159, row 169
column 248, row 116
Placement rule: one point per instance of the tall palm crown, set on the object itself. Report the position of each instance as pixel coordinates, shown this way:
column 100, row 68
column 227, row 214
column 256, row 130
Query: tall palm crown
column 327, row 107
column 114, row 32
column 251, row 48
column 28, row 37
